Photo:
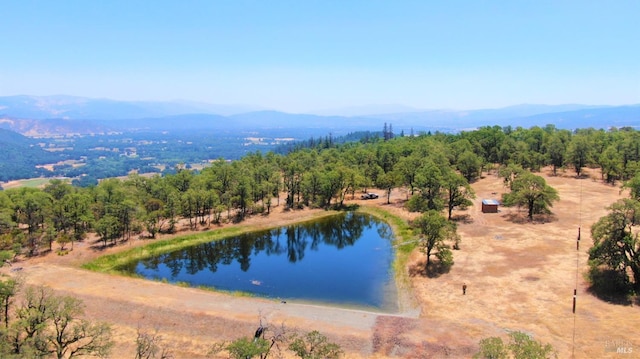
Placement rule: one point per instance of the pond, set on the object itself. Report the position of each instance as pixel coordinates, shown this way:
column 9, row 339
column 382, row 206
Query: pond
column 343, row 259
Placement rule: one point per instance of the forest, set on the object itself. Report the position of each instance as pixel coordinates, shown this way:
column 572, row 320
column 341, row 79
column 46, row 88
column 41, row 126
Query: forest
column 436, row 170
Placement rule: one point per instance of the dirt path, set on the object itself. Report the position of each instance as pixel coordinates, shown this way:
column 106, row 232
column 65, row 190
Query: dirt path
column 520, row 276
column 221, row 316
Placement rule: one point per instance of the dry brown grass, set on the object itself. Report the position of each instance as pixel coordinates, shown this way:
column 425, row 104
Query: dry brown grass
column 520, row 276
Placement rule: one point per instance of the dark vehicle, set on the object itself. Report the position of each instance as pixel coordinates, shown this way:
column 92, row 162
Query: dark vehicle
column 369, row 196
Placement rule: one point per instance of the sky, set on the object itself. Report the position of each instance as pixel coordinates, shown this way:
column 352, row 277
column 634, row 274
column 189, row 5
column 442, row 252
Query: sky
column 306, row 55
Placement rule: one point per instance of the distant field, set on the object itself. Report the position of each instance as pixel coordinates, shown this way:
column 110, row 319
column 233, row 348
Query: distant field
column 31, row 182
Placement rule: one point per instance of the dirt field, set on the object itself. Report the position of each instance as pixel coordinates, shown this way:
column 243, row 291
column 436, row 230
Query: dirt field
column 520, row 276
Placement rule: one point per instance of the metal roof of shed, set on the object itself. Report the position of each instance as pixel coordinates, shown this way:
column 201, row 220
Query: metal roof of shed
column 490, row 202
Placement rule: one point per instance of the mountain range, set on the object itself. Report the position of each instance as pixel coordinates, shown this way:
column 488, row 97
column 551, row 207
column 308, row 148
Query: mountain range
column 73, row 107
column 50, row 115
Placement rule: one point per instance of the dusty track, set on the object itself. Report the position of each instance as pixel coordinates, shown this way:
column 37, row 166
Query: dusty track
column 520, row 276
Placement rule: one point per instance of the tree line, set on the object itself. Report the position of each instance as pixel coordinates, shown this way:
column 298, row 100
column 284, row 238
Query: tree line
column 435, row 169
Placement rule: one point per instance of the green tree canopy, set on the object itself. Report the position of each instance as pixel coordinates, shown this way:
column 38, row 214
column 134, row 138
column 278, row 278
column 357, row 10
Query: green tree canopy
column 435, row 230
column 457, row 191
column 615, row 245
column 633, row 185
column 521, row 346
column 469, row 165
column 579, row 152
column 314, row 345
column 532, row 192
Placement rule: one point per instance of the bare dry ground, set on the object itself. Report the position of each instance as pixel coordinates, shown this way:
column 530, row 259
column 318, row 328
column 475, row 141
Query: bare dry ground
column 520, row 276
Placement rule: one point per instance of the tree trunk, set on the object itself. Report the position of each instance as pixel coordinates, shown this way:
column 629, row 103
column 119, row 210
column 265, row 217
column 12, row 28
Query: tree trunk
column 635, row 269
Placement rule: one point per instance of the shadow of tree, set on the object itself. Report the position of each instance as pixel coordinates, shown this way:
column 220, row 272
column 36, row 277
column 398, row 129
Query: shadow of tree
column 347, row 207
column 437, row 268
column 99, row 247
column 434, row 270
column 521, row 217
column 611, row 286
column 238, row 218
column 462, row 218
column 40, row 253
column 98, row 244
column 418, row 269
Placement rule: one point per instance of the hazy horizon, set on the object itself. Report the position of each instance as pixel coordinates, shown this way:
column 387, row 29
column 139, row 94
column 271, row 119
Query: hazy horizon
column 308, row 57
column 351, row 110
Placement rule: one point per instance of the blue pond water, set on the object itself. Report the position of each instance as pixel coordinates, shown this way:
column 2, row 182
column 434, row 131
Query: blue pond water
column 343, row 259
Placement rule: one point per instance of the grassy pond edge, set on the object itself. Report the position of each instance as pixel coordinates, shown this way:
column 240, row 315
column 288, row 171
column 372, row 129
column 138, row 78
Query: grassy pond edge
column 404, row 243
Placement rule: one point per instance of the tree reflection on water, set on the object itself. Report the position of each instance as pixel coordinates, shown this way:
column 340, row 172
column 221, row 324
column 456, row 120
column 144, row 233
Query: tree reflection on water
column 339, row 231
column 344, row 258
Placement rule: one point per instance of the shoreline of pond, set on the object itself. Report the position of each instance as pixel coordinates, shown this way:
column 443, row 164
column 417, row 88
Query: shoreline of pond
column 404, row 298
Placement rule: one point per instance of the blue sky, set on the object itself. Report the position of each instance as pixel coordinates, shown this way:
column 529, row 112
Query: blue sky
column 300, row 56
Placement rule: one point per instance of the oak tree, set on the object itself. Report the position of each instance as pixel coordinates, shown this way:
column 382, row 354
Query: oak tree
column 434, row 231
column 532, row 192
column 615, row 243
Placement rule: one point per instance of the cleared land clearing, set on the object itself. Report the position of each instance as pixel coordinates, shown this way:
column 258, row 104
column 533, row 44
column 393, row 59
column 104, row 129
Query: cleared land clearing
column 33, row 182
column 520, row 276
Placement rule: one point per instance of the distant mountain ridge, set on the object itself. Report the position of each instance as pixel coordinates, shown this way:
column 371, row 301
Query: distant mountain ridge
column 400, row 110
column 603, row 117
column 82, row 108
column 53, row 127
column 54, row 115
